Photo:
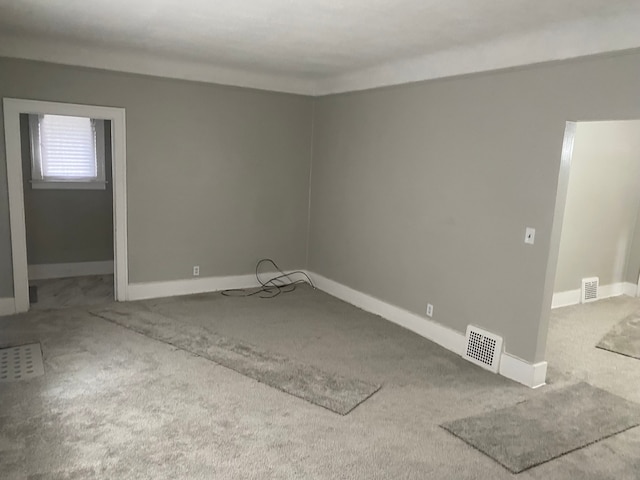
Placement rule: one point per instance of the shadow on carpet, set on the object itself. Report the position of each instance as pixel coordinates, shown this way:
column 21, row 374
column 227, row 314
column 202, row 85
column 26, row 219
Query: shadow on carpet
column 333, row 392
column 624, row 338
column 548, row 426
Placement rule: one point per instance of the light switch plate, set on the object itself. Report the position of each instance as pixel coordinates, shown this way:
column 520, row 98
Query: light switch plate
column 529, row 235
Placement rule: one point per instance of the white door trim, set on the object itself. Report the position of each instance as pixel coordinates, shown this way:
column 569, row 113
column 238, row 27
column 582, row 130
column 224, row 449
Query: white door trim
column 13, row 107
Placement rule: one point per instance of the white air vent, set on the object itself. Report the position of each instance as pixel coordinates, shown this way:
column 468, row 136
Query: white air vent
column 23, row 362
column 483, row 348
column 589, row 289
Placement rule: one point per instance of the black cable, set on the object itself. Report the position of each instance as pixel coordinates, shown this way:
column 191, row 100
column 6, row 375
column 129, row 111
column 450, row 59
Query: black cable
column 272, row 287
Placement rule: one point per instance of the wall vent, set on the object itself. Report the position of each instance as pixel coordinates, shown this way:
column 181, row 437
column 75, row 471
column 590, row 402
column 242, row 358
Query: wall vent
column 483, row 348
column 22, row 362
column 589, row 292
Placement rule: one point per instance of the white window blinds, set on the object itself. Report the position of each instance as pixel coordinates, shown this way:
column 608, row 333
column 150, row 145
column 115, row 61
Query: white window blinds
column 64, row 149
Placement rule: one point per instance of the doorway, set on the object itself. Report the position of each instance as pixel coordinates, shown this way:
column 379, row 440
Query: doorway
column 599, row 251
column 13, row 109
column 595, row 242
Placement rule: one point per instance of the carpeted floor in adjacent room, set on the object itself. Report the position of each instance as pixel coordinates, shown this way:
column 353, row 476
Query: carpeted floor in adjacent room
column 118, row 404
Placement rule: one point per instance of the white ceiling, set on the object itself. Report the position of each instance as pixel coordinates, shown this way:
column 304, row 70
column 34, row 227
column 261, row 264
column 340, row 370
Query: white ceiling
column 314, row 46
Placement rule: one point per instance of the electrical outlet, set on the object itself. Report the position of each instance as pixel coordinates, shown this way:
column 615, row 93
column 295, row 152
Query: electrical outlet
column 196, row 271
column 429, row 310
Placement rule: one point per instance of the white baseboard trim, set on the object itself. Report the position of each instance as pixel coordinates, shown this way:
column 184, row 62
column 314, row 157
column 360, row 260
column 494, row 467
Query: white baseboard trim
column 64, row 270
column 565, row 299
column 7, row 306
column 572, row 297
column 190, row 286
column 630, row 289
column 443, row 336
column 531, row 375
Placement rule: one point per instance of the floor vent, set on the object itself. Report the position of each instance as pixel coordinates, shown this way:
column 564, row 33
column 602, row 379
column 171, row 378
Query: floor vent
column 21, row 363
column 33, row 294
column 483, row 348
column 589, row 292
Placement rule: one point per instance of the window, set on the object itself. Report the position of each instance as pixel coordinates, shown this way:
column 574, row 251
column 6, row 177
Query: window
column 67, row 152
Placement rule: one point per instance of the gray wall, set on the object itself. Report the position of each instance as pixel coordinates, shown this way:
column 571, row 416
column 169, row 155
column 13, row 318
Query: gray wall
column 217, row 176
column 421, row 193
column 67, row 226
column 602, row 205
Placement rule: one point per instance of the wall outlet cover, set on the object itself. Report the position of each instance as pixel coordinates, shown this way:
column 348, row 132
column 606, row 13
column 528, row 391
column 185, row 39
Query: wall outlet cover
column 530, row 235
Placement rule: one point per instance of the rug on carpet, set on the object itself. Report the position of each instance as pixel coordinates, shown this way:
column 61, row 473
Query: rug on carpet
column 548, row 426
column 624, row 338
column 331, row 391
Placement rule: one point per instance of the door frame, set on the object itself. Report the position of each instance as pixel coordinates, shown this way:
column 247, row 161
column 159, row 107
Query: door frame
column 556, row 232
column 13, row 108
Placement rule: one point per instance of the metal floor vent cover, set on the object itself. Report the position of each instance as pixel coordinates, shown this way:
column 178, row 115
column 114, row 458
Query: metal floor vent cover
column 589, row 291
column 483, row 348
column 21, row 363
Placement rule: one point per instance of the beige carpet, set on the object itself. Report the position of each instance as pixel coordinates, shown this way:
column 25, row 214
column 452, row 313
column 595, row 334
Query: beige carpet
column 337, row 393
column 544, row 428
column 116, row 404
column 73, row 291
column 624, row 338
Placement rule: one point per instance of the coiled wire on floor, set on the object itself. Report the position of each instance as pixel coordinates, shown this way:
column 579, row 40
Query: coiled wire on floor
column 283, row 282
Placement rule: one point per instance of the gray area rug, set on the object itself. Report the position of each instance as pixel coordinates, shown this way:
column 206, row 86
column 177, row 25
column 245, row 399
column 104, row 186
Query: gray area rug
column 548, row 426
column 624, row 338
column 333, row 392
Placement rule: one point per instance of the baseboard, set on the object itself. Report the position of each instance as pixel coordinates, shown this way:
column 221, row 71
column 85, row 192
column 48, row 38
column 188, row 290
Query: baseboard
column 190, row 286
column 64, row 270
column 565, row 299
column 572, row 297
column 531, row 375
column 443, row 336
column 7, row 306
column 630, row 289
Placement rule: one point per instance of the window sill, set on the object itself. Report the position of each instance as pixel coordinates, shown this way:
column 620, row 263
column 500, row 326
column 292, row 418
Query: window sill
column 53, row 185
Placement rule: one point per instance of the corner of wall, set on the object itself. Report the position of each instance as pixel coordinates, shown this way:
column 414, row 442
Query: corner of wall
column 532, row 375
column 308, row 239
